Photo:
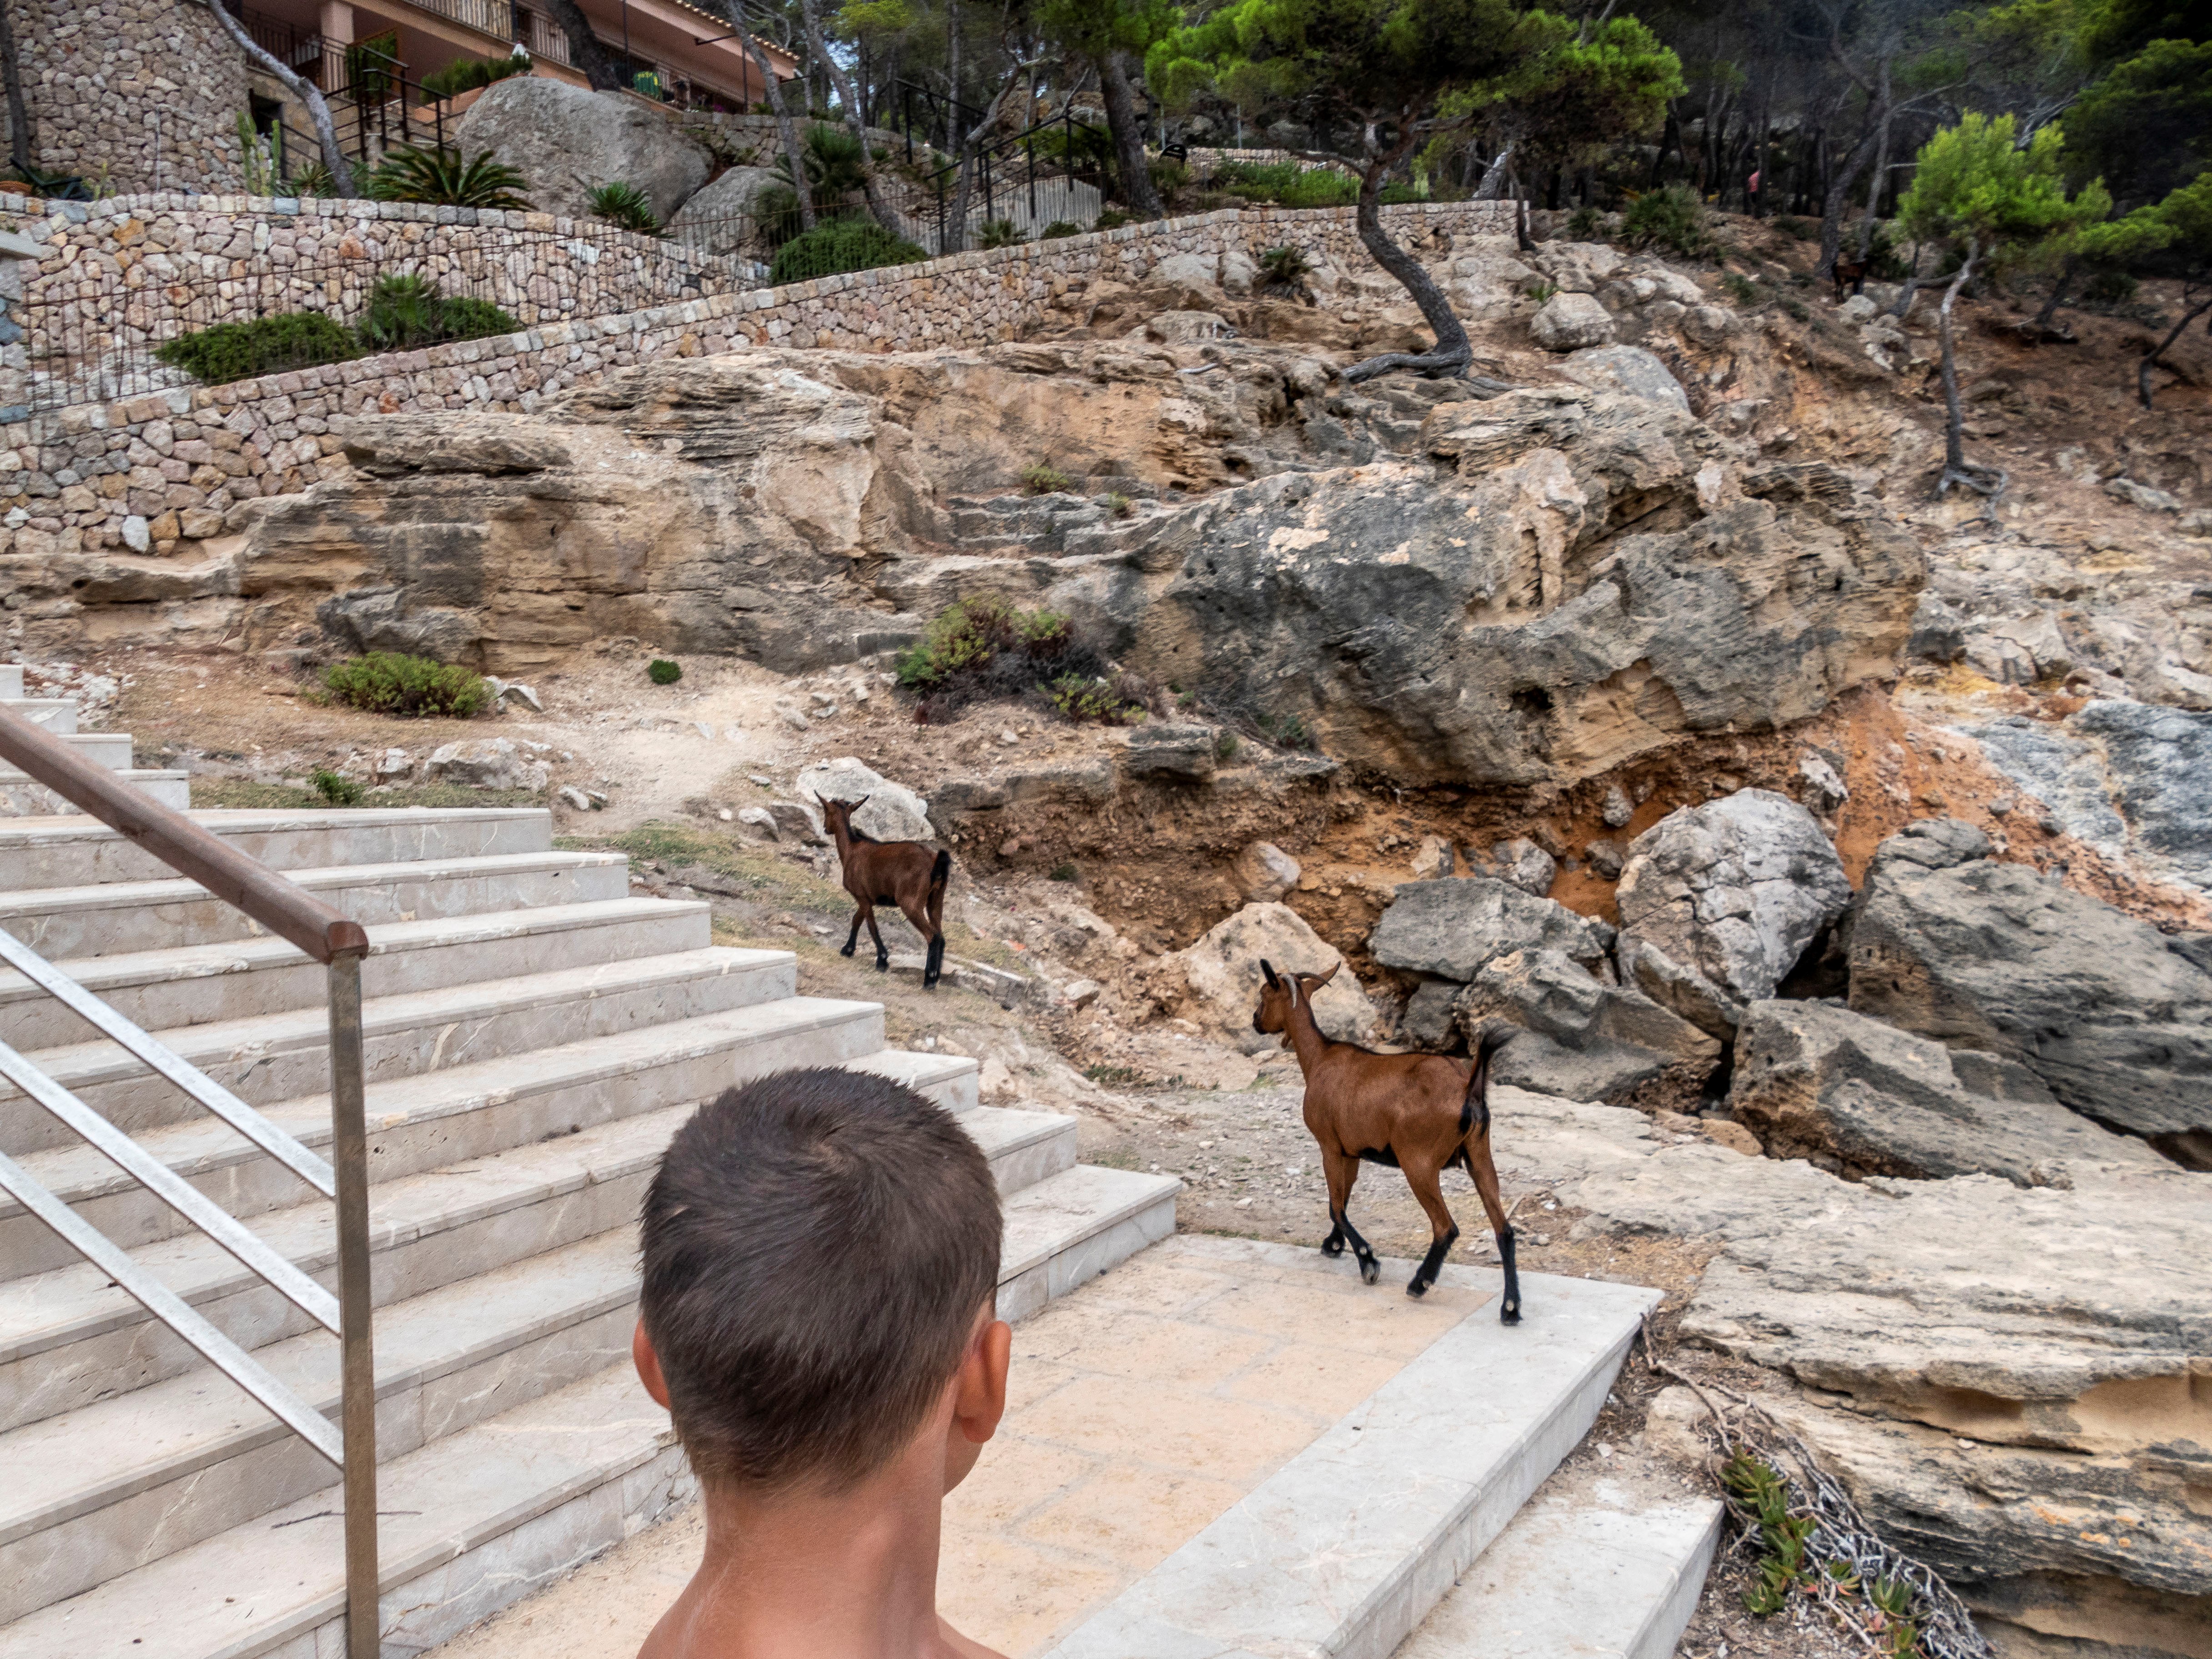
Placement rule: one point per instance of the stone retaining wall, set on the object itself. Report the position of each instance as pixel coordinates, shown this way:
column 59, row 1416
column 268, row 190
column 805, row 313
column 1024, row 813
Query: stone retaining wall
column 157, row 473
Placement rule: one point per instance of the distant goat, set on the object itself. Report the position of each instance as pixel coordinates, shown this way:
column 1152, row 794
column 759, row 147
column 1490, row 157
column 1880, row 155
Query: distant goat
column 1849, row 273
column 1422, row 1113
column 906, row 873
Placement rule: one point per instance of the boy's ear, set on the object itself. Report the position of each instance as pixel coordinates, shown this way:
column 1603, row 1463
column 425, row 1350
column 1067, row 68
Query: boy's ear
column 979, row 1400
column 648, row 1365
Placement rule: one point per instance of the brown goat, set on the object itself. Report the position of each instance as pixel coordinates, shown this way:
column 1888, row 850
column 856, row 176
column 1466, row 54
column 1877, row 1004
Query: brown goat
column 1422, row 1113
column 1849, row 273
column 906, row 873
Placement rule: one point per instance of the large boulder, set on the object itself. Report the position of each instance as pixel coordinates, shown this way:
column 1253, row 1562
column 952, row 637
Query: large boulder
column 1977, row 953
column 1583, row 1036
column 1220, row 970
column 1492, row 623
column 722, row 217
column 1865, row 1098
column 566, row 141
column 1570, row 322
column 1630, row 370
column 1447, row 929
column 893, row 812
column 1733, row 890
column 485, row 764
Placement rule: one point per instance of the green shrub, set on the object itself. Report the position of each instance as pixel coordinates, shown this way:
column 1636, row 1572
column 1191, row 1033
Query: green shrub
column 387, row 683
column 623, row 204
column 973, row 635
column 1798, row 230
column 1110, row 219
column 267, row 346
column 2109, row 288
column 1741, row 288
column 406, row 313
column 1082, row 697
column 314, row 179
column 1120, row 506
column 440, row 176
column 1065, row 872
column 1673, row 218
column 1318, row 187
column 661, row 671
column 1058, row 228
column 1168, row 177
column 998, row 233
column 1542, row 293
column 466, row 74
column 837, row 246
column 1043, row 479
column 1285, row 268
column 1795, row 308
column 336, row 788
column 1226, row 745
column 1584, row 223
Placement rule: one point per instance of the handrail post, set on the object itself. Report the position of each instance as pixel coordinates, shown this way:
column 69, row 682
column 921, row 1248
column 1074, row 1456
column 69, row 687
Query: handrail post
column 349, row 1165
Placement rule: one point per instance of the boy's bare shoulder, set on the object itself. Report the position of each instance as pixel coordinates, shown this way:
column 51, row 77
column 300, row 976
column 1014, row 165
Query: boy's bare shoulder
column 960, row 1644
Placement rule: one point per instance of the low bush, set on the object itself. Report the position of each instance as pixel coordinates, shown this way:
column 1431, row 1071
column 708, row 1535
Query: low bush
column 624, row 205
column 661, row 671
column 1110, row 219
column 267, row 346
column 998, row 233
column 1285, row 268
column 440, row 176
column 1741, row 288
column 466, row 74
column 1058, row 228
column 988, row 649
column 1065, row 873
column 337, row 789
column 838, row 246
column 1319, row 187
column 1080, row 697
column 1043, row 479
column 389, row 682
column 1673, row 218
column 2109, row 288
column 1798, row 230
column 1585, row 224
column 406, row 313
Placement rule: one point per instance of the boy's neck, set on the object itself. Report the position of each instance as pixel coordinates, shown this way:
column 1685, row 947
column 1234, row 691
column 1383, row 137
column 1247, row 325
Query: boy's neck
column 853, row 1576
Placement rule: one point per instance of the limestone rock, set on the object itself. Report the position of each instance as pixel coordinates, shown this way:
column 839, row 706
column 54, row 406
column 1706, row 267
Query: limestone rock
column 567, row 140
column 1618, row 808
column 894, row 812
column 1184, row 751
column 1197, row 268
column 1264, row 873
column 719, row 218
column 1221, row 970
column 1864, row 1097
column 1570, row 322
column 1487, row 626
column 1450, row 929
column 485, row 764
column 1520, row 863
column 1630, row 370
column 1582, row 1035
column 795, row 821
column 2159, row 761
column 1684, row 990
column 1709, row 325
column 1735, row 890
column 1979, row 954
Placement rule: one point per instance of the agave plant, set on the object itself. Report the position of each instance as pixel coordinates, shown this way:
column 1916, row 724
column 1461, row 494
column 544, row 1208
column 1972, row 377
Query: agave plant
column 625, row 205
column 1285, row 270
column 442, row 176
column 404, row 312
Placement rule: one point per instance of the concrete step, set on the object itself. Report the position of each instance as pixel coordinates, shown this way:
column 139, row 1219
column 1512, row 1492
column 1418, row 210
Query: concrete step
column 949, row 1079
column 1071, row 1227
column 1576, row 1578
column 471, row 1522
column 281, row 1056
column 56, row 714
column 76, row 851
column 112, row 917
column 201, row 984
column 432, row 1119
column 112, row 1485
column 11, row 679
column 20, row 795
column 108, row 749
column 1345, row 1548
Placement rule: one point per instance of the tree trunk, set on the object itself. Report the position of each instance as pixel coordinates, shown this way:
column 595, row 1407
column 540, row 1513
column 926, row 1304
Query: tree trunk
column 1129, row 131
column 883, row 212
column 310, row 96
column 1838, row 198
column 2151, row 357
column 1957, row 469
column 2067, row 271
column 794, row 154
column 1493, row 176
column 971, row 146
column 1874, row 193
column 584, row 51
column 18, row 113
column 1453, row 351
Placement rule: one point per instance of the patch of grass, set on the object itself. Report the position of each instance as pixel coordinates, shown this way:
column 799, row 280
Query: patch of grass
column 1796, row 307
column 1796, row 229
column 388, row 682
column 337, row 789
column 1114, row 1077
column 1112, row 219
column 661, row 671
column 1741, row 288
column 1065, row 873
column 1120, row 505
column 241, row 793
column 1584, row 223
column 1542, row 293
column 775, row 879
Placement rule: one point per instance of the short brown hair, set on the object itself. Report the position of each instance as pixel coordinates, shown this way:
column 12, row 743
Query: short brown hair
column 817, row 1245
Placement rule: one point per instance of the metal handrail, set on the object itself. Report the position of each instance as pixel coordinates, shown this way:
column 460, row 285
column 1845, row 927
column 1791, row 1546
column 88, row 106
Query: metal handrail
column 338, row 942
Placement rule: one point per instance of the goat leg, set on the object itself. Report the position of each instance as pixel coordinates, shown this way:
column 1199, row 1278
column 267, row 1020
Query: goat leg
column 1342, row 1171
column 1476, row 1154
column 1428, row 1192
column 883, row 956
column 853, row 938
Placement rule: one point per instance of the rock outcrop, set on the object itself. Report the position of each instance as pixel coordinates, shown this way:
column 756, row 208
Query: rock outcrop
column 1861, row 1098
column 1588, row 580
column 1980, row 954
column 1215, row 983
column 567, row 140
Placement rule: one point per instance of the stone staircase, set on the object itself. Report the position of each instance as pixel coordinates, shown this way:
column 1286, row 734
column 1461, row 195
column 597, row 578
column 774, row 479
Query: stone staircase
column 19, row 796
column 533, row 1034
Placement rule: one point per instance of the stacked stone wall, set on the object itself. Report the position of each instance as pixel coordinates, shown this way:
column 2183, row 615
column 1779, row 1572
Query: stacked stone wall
column 157, row 474
column 135, row 95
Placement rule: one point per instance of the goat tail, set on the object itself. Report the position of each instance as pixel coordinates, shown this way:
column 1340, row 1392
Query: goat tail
column 941, row 871
column 1474, row 1107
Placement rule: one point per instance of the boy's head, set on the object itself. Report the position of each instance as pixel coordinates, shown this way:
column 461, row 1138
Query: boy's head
column 819, row 1247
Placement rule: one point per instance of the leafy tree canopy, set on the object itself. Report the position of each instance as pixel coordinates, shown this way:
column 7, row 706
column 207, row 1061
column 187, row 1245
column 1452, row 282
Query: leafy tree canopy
column 1976, row 184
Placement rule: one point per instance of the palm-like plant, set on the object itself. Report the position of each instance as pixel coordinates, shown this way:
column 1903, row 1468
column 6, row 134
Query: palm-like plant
column 625, row 205
column 439, row 176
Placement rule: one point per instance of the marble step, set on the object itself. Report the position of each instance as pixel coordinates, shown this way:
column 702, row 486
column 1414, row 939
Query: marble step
column 238, row 979
column 56, row 714
column 112, row 1486
column 19, row 794
column 76, row 851
column 1575, row 1577
column 281, row 1056
column 1346, row 1547
column 108, row 918
column 440, row 1117
column 481, row 1518
column 11, row 679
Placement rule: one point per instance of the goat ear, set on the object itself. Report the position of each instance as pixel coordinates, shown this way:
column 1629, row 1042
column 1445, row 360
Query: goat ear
column 1314, row 982
column 1267, row 970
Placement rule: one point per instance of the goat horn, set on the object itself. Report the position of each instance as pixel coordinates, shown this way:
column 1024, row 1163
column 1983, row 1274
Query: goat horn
column 1267, row 970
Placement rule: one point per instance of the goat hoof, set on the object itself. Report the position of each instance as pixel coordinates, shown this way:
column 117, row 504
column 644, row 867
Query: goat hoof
column 1418, row 1288
column 1510, row 1314
column 1369, row 1271
column 1332, row 1247
column 883, row 964
column 846, row 951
